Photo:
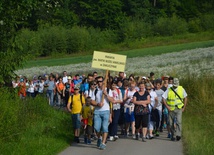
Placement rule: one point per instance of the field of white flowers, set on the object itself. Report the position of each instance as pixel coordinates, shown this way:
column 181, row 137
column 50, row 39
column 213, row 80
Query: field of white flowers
column 196, row 61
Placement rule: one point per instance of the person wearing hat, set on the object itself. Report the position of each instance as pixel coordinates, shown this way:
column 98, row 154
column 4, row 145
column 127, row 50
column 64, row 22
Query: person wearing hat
column 175, row 100
column 74, row 106
column 68, row 89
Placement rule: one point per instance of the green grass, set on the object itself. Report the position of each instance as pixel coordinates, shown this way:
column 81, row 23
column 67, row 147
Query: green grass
column 32, row 127
column 198, row 118
column 130, row 53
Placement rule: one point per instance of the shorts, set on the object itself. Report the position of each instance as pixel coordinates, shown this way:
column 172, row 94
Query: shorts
column 76, row 121
column 141, row 120
column 101, row 120
column 88, row 130
column 129, row 117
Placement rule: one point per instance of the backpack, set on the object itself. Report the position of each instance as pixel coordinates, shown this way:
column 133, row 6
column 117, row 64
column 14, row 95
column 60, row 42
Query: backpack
column 96, row 90
column 80, row 99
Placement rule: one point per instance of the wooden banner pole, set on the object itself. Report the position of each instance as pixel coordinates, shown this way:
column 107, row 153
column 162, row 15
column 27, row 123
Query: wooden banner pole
column 105, row 84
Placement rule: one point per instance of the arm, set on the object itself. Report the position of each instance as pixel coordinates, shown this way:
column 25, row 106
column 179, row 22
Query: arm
column 69, row 104
column 144, row 103
column 185, row 103
column 164, row 102
column 120, row 99
column 156, row 102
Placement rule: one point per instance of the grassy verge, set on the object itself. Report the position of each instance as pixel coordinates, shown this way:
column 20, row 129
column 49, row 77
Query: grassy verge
column 32, row 127
column 198, row 118
column 131, row 53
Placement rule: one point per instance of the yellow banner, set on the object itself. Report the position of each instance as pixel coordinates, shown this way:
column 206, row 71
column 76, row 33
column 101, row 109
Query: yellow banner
column 109, row 61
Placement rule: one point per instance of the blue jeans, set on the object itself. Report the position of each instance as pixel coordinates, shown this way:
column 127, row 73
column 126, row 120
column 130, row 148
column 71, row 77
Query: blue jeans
column 113, row 126
column 101, row 120
column 50, row 95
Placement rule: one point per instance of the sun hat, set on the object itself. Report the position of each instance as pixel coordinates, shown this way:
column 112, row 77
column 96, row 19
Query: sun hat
column 69, row 77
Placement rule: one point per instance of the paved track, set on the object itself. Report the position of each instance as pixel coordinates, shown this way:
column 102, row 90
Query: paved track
column 127, row 146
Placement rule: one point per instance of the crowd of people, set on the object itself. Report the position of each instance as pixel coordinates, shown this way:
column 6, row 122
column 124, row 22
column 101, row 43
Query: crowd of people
column 141, row 106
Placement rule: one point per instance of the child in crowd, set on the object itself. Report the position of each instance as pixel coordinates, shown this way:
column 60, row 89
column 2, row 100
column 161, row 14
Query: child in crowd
column 87, row 114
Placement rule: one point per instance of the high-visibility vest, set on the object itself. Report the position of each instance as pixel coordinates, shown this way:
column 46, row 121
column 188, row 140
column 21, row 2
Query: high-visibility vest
column 173, row 100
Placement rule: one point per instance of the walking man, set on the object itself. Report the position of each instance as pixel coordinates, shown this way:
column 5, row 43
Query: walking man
column 175, row 100
column 101, row 112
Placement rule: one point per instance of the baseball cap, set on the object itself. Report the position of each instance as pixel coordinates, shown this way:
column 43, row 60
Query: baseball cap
column 76, row 87
column 175, row 82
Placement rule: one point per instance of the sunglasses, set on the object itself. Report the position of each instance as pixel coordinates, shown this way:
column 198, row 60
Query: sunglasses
column 99, row 81
column 94, row 84
column 148, row 89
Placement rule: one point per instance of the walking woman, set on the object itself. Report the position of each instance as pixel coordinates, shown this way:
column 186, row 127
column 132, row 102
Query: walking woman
column 141, row 99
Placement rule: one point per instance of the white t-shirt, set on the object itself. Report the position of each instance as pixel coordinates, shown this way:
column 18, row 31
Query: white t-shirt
column 98, row 99
column 159, row 93
column 90, row 93
column 64, row 79
column 117, row 96
column 153, row 95
column 41, row 87
column 165, row 95
column 31, row 88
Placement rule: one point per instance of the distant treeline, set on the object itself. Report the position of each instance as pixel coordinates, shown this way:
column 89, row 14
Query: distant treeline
column 31, row 28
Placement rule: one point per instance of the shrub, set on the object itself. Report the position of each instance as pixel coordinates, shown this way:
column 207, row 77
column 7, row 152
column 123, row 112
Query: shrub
column 29, row 42
column 53, row 40
column 135, row 30
column 194, row 25
column 77, row 39
column 207, row 22
column 170, row 26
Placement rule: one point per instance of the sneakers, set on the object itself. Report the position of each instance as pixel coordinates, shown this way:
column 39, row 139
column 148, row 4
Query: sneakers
column 151, row 136
column 76, row 139
column 157, row 133
column 111, row 138
column 88, row 141
column 143, row 139
column 137, row 137
column 169, row 135
column 134, row 136
column 102, row 146
column 98, row 142
column 85, row 140
column 172, row 139
column 116, row 137
column 147, row 136
column 178, row 138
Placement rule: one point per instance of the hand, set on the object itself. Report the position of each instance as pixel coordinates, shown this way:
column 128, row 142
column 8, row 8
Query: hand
column 110, row 119
column 183, row 109
column 168, row 108
column 100, row 104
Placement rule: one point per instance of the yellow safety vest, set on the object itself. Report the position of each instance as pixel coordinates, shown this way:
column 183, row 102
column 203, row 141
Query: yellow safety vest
column 173, row 100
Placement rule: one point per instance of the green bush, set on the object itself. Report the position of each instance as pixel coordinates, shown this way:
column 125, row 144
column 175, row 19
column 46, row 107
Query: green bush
column 194, row 25
column 29, row 42
column 100, row 39
column 135, row 30
column 170, row 26
column 77, row 39
column 53, row 40
column 207, row 22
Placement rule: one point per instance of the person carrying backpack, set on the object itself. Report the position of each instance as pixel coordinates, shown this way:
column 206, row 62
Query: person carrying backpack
column 74, row 106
